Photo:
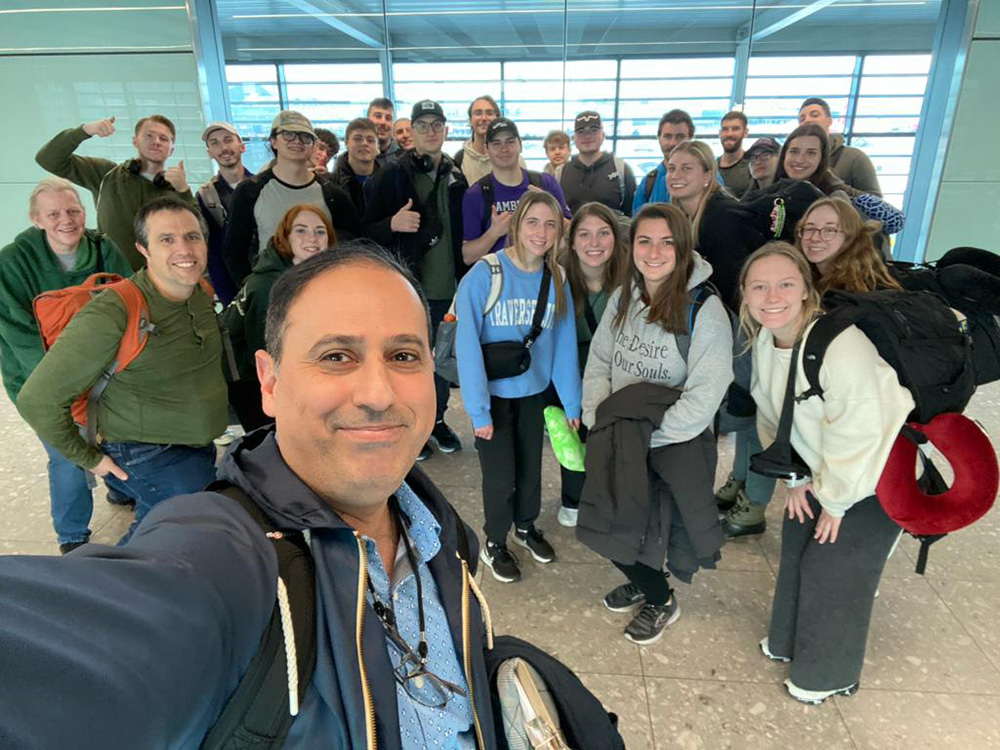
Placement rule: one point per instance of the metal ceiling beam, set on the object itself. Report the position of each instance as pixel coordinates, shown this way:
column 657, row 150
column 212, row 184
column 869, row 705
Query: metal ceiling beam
column 792, row 18
column 323, row 15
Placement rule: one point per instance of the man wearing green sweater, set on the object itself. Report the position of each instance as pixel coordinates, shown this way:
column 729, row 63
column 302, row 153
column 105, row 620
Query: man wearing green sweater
column 119, row 190
column 56, row 252
column 159, row 415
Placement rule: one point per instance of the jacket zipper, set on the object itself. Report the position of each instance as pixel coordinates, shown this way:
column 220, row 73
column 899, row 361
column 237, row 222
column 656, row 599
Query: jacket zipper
column 468, row 654
column 366, row 690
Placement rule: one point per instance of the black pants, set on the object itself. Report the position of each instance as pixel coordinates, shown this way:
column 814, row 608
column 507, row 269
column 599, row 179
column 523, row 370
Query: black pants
column 511, row 464
column 442, row 388
column 825, row 592
column 572, row 481
column 650, row 581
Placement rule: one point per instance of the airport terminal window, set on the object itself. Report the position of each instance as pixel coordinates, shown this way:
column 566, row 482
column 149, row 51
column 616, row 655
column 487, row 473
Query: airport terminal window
column 875, row 99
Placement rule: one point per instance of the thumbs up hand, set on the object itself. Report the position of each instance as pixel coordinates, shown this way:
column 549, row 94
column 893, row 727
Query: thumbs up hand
column 405, row 220
column 100, row 128
column 177, row 177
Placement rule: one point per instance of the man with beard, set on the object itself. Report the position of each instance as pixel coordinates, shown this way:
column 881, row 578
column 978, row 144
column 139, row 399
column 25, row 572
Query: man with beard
column 733, row 166
column 120, row 190
column 215, row 199
column 380, row 112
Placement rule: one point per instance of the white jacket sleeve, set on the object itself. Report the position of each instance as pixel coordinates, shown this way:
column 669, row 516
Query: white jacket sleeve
column 709, row 373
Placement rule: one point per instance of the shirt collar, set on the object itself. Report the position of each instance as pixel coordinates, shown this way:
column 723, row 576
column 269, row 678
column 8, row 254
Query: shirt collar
column 424, row 529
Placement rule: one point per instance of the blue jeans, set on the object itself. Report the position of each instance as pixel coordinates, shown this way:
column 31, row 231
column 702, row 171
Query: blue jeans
column 71, row 500
column 158, row 472
column 759, row 489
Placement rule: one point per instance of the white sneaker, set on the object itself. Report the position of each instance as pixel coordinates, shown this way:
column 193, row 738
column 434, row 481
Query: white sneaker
column 567, row 517
column 815, row 697
column 766, row 650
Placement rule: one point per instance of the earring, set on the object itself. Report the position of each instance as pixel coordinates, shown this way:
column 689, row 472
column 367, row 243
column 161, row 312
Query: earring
column 706, row 184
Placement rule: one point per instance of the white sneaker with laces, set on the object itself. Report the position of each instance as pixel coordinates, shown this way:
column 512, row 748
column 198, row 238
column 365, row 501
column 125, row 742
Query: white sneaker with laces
column 815, row 697
column 567, row 517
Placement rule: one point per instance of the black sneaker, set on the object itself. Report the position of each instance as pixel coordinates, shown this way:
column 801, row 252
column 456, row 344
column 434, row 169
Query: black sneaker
column 425, row 452
column 501, row 562
column 117, row 498
column 534, row 540
column 446, row 438
column 625, row 598
column 65, row 549
column 647, row 626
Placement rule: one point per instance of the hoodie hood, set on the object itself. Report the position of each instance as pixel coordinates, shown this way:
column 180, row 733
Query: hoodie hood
column 471, row 153
column 269, row 261
column 701, row 270
column 601, row 161
column 836, row 144
column 33, row 240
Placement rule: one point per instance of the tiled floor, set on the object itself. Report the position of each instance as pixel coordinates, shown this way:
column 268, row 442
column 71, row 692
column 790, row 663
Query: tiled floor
column 932, row 675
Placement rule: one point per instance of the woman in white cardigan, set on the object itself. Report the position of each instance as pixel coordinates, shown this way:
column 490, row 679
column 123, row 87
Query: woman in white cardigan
column 836, row 537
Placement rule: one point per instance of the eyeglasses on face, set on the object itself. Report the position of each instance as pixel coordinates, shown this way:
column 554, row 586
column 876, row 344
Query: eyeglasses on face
column 288, row 137
column 762, row 156
column 824, row 233
column 422, row 126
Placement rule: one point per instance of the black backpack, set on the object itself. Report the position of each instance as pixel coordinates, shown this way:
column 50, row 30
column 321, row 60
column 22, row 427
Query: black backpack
column 968, row 279
column 258, row 714
column 486, row 185
column 583, row 720
column 916, row 333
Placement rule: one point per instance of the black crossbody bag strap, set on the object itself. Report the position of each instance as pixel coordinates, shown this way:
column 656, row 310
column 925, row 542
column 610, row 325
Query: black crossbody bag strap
column 588, row 313
column 784, row 434
column 540, row 307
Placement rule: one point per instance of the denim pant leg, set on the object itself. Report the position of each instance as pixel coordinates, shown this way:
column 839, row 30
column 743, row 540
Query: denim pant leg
column 70, row 496
column 442, row 388
column 159, row 472
column 759, row 489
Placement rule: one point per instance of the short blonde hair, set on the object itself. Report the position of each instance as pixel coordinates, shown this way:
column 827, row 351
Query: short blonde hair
column 50, row 185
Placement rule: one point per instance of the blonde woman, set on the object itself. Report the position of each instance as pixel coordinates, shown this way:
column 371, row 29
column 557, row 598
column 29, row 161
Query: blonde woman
column 836, row 537
column 506, row 412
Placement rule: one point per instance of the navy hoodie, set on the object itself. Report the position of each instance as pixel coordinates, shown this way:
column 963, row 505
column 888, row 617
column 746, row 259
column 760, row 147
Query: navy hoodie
column 141, row 646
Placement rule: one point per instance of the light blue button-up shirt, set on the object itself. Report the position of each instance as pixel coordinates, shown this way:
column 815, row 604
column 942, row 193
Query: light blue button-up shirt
column 421, row 727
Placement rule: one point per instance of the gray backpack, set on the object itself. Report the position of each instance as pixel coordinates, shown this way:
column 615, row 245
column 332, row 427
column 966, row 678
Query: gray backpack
column 445, row 363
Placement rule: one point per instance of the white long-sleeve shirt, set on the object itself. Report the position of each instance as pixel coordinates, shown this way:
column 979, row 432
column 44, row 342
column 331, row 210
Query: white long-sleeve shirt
column 845, row 437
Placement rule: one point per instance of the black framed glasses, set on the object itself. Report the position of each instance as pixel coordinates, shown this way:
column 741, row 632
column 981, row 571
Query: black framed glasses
column 289, row 136
column 422, row 126
column 422, row 685
column 824, row 233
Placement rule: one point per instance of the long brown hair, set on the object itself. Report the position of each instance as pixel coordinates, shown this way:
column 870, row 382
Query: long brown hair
column 528, row 200
column 823, row 177
column 858, row 266
column 811, row 305
column 284, row 228
column 668, row 306
column 700, row 151
column 612, row 270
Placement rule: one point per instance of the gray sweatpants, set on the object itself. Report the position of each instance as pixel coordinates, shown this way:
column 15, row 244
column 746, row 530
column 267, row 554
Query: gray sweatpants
column 825, row 592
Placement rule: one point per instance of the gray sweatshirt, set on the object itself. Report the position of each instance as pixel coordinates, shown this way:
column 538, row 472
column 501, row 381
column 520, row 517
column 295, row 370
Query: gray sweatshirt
column 642, row 352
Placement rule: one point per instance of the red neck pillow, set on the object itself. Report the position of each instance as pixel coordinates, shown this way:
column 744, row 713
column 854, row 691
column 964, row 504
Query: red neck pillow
column 968, row 449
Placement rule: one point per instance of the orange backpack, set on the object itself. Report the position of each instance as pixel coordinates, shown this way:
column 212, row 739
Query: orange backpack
column 53, row 311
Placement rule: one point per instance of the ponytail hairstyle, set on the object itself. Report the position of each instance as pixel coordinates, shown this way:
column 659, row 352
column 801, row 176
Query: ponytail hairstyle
column 571, row 261
column 858, row 266
column 554, row 253
column 700, row 151
column 810, row 307
column 668, row 306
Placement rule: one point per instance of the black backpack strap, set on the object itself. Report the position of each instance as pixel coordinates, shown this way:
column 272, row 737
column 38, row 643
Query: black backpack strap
column 540, row 306
column 260, row 712
column 486, row 185
column 534, row 178
column 650, row 183
column 825, row 330
column 588, row 313
column 698, row 296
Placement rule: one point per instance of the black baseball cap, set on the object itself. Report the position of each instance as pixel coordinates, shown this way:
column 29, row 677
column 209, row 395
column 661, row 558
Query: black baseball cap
column 500, row 125
column 427, row 107
column 762, row 145
column 587, row 119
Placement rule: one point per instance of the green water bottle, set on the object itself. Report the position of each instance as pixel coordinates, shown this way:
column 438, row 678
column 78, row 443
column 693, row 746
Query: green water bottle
column 566, row 443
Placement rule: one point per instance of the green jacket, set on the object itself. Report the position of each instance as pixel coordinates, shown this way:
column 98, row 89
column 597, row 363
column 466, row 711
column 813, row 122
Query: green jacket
column 245, row 317
column 28, row 267
column 853, row 166
column 172, row 393
column 118, row 194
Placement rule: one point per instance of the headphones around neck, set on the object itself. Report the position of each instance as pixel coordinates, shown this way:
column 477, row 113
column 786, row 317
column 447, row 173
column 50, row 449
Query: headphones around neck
column 423, row 163
column 134, row 166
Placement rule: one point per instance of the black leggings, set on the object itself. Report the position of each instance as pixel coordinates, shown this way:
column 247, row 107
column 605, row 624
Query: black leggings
column 650, row 581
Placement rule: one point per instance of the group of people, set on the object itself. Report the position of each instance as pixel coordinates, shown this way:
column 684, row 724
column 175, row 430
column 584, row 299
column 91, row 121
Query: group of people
column 629, row 305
